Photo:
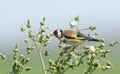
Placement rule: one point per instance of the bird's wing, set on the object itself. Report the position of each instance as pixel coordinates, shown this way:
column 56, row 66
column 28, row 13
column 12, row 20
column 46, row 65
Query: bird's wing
column 81, row 36
column 70, row 34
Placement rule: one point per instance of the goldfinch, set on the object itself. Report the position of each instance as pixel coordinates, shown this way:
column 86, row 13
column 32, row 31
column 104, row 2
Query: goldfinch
column 72, row 37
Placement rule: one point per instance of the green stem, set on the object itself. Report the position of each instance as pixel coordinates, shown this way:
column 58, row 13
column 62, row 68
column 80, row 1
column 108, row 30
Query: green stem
column 84, row 29
column 41, row 58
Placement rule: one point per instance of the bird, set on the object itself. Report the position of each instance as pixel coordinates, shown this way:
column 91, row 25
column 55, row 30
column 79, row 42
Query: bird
column 72, row 37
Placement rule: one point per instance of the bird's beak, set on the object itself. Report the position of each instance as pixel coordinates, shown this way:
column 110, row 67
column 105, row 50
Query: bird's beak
column 52, row 34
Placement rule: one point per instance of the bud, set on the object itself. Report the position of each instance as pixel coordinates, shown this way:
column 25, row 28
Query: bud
column 60, row 45
column 50, row 62
column 31, row 30
column 113, row 43
column 108, row 51
column 43, row 18
column 15, row 57
column 101, row 45
column 29, row 49
column 15, row 64
column 42, row 22
column 16, row 49
column 53, row 68
column 109, row 65
column 21, row 56
column 3, row 57
column 93, row 54
column 96, row 33
column 23, row 29
column 48, row 36
column 92, row 48
column 96, row 64
column 48, row 42
column 28, row 24
column 26, row 40
column 45, row 44
column 102, row 51
column 23, row 60
column 92, row 28
column 44, row 28
column 77, row 18
column 102, row 40
column 86, row 47
column 61, row 53
column 46, row 53
column 86, row 52
column 20, row 65
column 28, row 68
column 71, row 53
column 27, row 60
column 31, row 34
column 62, row 67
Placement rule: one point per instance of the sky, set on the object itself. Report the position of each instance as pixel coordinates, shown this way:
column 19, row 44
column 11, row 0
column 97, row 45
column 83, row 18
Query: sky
column 104, row 14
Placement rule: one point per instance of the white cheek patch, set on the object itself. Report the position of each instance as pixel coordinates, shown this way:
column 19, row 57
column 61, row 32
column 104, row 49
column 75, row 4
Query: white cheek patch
column 59, row 34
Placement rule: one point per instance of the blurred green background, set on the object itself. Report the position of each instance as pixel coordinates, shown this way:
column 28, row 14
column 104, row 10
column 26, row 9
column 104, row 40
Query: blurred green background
column 104, row 14
column 36, row 66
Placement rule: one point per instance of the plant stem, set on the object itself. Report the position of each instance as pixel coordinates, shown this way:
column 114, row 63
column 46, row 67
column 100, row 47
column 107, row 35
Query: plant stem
column 41, row 58
column 84, row 29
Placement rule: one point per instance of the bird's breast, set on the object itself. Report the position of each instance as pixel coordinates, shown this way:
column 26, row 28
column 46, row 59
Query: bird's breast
column 73, row 42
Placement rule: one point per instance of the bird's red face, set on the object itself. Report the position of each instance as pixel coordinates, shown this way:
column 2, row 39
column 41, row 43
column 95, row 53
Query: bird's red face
column 58, row 33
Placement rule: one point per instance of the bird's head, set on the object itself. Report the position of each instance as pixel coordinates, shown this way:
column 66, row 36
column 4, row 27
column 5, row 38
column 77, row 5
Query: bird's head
column 57, row 33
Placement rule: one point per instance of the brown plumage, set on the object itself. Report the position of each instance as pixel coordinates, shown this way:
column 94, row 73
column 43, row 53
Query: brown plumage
column 69, row 33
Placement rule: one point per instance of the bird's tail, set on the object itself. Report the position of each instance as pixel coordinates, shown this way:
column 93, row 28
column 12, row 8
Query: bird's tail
column 92, row 39
column 80, row 35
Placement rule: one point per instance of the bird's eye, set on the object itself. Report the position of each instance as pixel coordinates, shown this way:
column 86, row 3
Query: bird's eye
column 55, row 33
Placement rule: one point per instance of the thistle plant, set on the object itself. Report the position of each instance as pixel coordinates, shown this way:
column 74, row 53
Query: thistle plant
column 19, row 62
column 39, row 40
column 90, row 56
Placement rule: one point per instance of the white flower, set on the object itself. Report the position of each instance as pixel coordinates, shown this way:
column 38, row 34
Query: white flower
column 44, row 28
column 92, row 48
column 73, row 23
